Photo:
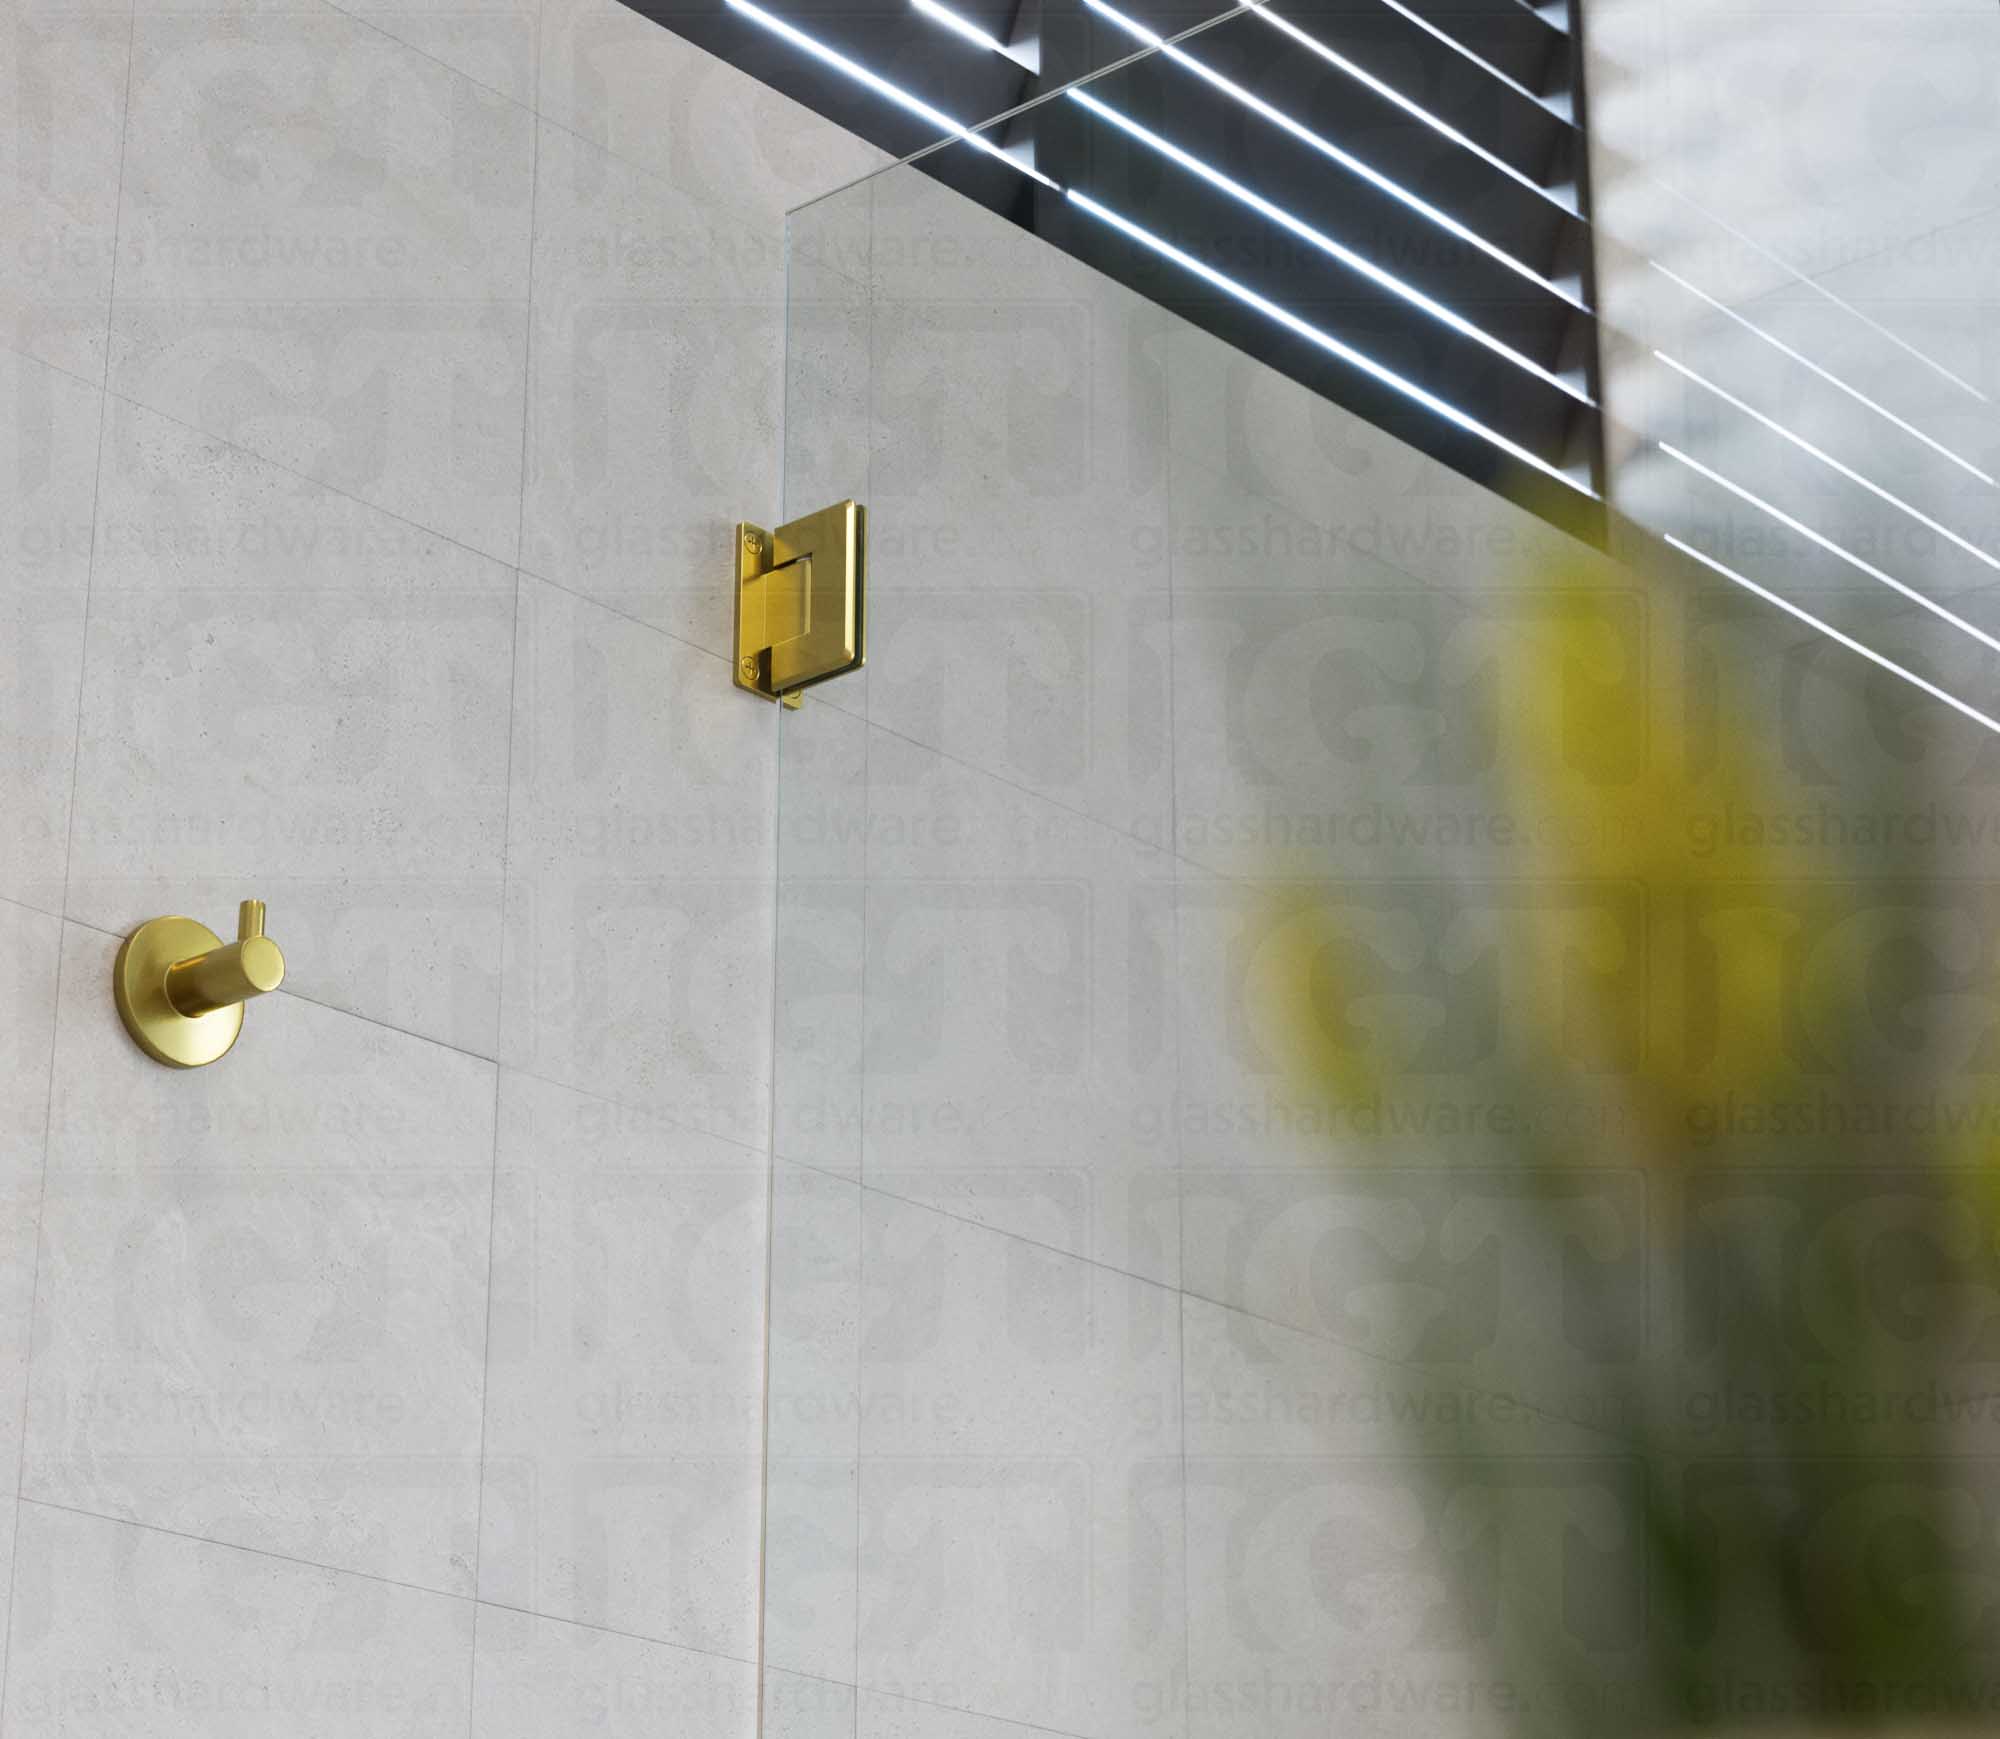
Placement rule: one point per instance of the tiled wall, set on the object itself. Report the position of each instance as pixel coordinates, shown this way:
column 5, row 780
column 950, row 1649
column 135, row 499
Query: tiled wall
column 377, row 385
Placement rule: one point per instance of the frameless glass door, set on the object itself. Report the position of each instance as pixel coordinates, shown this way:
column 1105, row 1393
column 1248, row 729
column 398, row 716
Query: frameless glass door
column 1297, row 982
column 1173, row 695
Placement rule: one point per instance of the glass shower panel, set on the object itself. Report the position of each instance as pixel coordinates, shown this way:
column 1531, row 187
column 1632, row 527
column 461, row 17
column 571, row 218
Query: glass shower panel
column 1172, row 700
column 1281, row 965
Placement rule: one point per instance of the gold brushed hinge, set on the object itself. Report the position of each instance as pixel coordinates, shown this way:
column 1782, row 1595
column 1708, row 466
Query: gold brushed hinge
column 800, row 601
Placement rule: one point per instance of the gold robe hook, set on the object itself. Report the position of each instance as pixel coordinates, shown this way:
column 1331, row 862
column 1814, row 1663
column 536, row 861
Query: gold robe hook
column 181, row 989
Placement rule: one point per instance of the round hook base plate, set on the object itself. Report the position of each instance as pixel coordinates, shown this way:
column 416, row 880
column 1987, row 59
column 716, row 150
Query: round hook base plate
column 139, row 983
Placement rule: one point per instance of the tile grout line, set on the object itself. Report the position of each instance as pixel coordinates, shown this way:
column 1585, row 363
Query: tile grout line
column 1175, row 1002
column 488, row 1060
column 763, row 1579
column 957, row 1219
column 607, row 1630
column 103, row 434
column 53, row 367
column 770, row 1223
column 535, row 78
column 1169, row 850
column 861, row 1071
column 332, row 489
column 905, row 1696
column 485, row 1406
column 861, row 1221
column 487, row 1384
column 533, row 108
column 471, row 78
column 1185, row 1292
column 506, row 840
column 420, row 1588
column 519, row 568
column 856, row 1182
column 951, row 1709
column 750, row 1151
column 313, row 1564
column 1095, row 821
column 69, row 849
column 1187, row 1590
column 28, row 1358
column 528, row 333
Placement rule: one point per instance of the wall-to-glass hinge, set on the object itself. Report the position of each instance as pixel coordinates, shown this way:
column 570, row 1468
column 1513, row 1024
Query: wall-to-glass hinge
column 799, row 601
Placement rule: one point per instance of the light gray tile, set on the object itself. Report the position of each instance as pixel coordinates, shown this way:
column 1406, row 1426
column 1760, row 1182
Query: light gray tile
column 624, row 1409
column 1018, row 579
column 810, row 1565
column 1020, row 1029
column 123, row 1630
column 29, row 944
column 62, row 110
column 262, row 1314
column 48, row 448
column 639, row 869
column 659, row 102
column 341, row 295
column 1021, row 1546
column 293, row 697
column 1370, row 1550
column 535, row 1678
column 658, row 366
column 796, row 1707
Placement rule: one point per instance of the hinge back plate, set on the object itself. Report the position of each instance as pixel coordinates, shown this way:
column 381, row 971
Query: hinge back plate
column 801, row 601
